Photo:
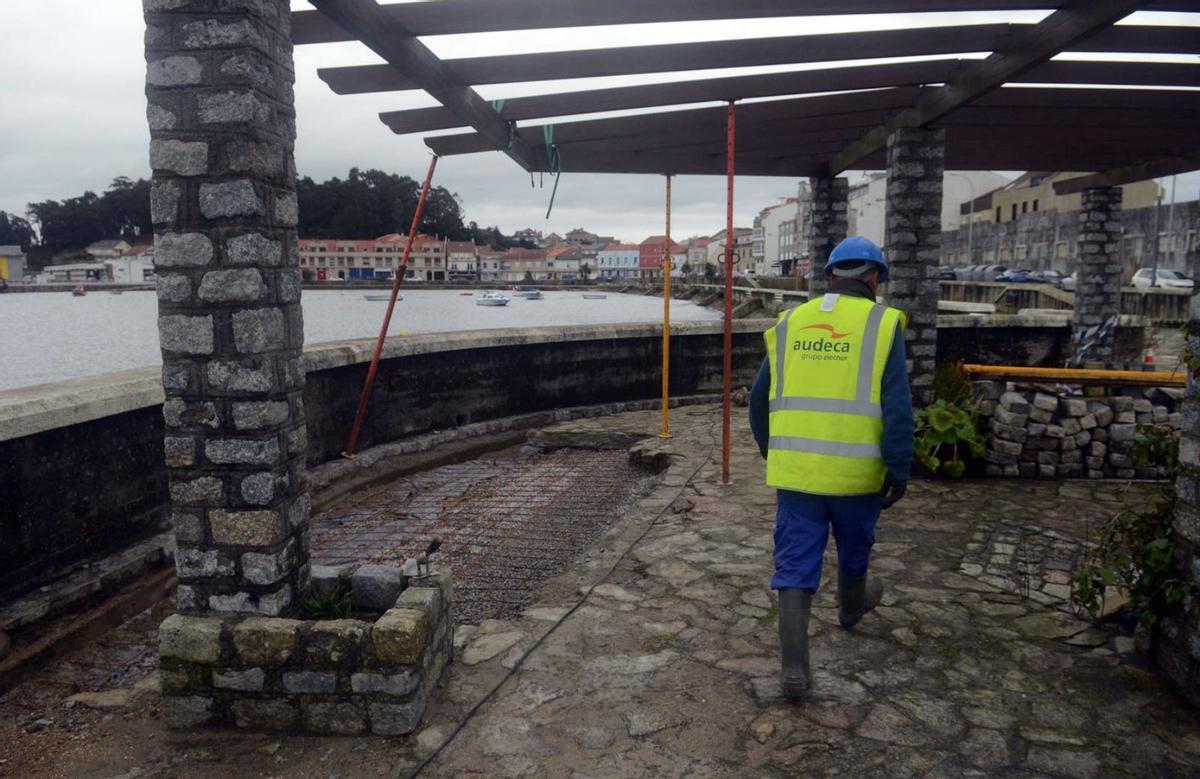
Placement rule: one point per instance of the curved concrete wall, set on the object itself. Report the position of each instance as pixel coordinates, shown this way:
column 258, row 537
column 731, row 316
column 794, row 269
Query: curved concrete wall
column 81, row 463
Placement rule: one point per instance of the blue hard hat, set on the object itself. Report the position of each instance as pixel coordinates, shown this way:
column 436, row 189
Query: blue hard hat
column 858, row 249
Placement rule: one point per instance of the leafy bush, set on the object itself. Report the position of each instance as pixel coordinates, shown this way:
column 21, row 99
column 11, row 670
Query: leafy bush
column 1156, row 445
column 1133, row 555
column 335, row 605
column 948, row 437
column 951, row 384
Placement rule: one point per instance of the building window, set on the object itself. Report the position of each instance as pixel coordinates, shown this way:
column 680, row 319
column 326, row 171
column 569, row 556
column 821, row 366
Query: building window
column 1061, row 248
column 1025, row 207
column 1004, row 255
column 998, row 213
column 1014, row 212
column 1035, row 206
column 1021, row 253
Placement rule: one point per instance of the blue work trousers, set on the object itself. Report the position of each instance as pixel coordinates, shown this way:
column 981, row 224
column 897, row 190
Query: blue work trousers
column 802, row 524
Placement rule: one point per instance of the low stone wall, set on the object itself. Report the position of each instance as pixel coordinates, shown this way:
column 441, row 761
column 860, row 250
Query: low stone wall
column 1039, row 435
column 344, row 677
column 81, row 462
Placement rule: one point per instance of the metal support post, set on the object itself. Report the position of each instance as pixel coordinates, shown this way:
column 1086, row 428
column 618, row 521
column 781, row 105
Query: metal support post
column 666, row 342
column 387, row 317
column 730, row 240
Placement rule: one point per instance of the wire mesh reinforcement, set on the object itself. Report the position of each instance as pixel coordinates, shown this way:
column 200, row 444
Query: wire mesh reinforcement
column 507, row 524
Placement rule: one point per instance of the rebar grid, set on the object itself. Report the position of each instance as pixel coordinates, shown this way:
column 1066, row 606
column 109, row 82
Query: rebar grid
column 507, row 524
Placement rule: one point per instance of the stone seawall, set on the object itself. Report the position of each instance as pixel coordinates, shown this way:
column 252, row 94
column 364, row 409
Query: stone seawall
column 81, row 462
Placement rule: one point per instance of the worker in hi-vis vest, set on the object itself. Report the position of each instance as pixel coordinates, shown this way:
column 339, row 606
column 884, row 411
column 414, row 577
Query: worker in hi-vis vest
column 832, row 412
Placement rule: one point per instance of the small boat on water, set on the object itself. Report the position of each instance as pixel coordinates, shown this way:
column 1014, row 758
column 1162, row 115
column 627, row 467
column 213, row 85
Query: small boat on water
column 377, row 298
column 465, row 294
column 116, row 291
column 492, row 299
column 79, row 291
column 594, row 296
column 529, row 293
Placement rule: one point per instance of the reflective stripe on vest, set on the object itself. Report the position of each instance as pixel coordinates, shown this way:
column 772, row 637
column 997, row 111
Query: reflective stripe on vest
column 826, row 418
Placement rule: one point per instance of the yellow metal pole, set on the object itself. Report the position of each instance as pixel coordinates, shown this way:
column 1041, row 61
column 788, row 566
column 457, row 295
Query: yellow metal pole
column 666, row 350
column 1078, row 376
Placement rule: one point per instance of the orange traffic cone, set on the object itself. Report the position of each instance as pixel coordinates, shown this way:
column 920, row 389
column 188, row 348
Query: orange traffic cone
column 1149, row 360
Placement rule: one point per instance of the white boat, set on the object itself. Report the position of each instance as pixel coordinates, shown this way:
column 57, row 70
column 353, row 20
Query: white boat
column 594, row 296
column 378, row 298
column 530, row 295
column 492, row 299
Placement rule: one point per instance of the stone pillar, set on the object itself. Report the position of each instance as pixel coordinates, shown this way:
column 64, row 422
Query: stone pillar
column 827, row 227
column 1177, row 648
column 222, row 126
column 913, row 244
column 1098, row 285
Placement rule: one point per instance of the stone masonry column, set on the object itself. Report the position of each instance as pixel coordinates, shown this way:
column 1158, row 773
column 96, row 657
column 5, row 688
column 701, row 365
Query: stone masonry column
column 1098, row 285
column 219, row 77
column 1177, row 648
column 913, row 244
column 828, row 225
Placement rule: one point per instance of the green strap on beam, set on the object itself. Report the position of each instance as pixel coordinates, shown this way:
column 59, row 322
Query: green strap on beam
column 554, row 158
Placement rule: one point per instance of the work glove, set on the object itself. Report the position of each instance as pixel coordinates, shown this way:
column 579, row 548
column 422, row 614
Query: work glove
column 893, row 490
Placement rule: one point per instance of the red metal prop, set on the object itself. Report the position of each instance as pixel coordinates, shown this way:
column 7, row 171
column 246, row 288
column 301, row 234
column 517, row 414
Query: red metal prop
column 730, row 241
column 387, row 318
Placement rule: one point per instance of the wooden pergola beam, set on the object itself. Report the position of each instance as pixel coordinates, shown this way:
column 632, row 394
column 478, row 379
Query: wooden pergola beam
column 449, row 17
column 388, row 38
column 1163, row 166
column 1028, row 48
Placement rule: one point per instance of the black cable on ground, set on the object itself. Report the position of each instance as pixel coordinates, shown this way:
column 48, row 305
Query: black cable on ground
column 470, row 715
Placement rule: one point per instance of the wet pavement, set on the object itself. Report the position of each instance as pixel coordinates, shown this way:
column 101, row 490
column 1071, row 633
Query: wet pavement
column 667, row 668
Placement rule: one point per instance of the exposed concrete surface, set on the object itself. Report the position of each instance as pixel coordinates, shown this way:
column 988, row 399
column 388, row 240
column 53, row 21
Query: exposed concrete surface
column 668, row 668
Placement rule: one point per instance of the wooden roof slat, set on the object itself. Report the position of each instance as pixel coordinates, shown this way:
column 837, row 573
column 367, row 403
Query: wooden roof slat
column 799, row 49
column 1137, row 171
column 388, row 38
column 796, row 83
column 448, row 17
column 1060, row 30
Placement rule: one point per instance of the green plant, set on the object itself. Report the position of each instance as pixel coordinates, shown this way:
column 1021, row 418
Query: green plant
column 1156, row 445
column 951, row 384
column 948, row 437
column 1134, row 555
column 335, row 605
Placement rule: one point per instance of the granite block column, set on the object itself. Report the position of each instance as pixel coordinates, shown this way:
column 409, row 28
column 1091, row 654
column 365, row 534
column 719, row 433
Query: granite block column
column 1177, row 644
column 1098, row 284
column 913, row 244
column 828, row 225
column 219, row 77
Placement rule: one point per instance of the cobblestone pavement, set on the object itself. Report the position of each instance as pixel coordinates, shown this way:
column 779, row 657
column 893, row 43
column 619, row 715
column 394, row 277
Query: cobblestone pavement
column 669, row 668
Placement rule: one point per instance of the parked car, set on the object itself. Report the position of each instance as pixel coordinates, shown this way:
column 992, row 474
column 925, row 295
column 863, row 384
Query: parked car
column 1068, row 284
column 1014, row 276
column 947, row 274
column 1046, row 277
column 1166, row 279
column 991, row 272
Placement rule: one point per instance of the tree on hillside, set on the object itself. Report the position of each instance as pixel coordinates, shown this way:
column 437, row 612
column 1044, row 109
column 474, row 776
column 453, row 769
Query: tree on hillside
column 15, row 231
column 123, row 211
column 710, row 272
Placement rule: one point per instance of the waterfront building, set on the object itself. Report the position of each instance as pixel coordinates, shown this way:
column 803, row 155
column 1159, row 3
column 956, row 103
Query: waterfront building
column 1034, row 192
column 491, row 264
column 134, row 267
column 524, row 265
column 75, row 272
column 743, row 241
column 107, row 250
column 529, row 236
column 618, row 261
column 12, row 263
column 650, row 255
column 562, row 263
column 773, row 240
column 462, row 258
column 338, row 258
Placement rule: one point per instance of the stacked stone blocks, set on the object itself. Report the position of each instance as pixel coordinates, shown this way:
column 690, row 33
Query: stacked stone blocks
column 1098, row 286
column 1039, row 435
column 346, row 676
column 916, row 166
column 220, row 107
column 828, row 224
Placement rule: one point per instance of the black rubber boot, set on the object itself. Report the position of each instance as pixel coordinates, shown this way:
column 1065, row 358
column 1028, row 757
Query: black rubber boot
column 856, row 597
column 795, row 607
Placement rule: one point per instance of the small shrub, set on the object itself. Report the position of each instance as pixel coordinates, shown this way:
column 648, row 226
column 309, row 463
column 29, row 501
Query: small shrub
column 948, row 438
column 1156, row 445
column 335, row 605
column 1134, row 555
column 951, row 384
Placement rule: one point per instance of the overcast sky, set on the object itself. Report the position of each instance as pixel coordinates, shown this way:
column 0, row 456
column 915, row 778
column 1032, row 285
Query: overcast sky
column 74, row 117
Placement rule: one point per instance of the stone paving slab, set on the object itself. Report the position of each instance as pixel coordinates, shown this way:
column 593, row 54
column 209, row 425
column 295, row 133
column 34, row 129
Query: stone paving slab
column 669, row 668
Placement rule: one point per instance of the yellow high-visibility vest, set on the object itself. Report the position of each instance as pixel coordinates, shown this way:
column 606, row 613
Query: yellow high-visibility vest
column 827, row 359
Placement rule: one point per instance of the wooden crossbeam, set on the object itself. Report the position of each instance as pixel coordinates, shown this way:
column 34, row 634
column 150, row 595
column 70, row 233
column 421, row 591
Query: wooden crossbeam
column 388, row 38
column 1163, row 166
column 1028, row 48
column 447, row 17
